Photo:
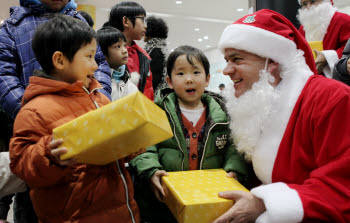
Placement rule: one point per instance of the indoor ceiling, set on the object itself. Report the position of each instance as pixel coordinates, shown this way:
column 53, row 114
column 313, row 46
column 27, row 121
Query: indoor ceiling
column 197, row 23
column 209, row 16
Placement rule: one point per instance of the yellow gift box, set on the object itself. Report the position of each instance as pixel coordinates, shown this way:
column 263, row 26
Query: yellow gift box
column 316, row 45
column 114, row 131
column 193, row 195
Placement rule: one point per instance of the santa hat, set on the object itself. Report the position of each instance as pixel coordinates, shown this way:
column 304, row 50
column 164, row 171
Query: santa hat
column 331, row 1
column 268, row 34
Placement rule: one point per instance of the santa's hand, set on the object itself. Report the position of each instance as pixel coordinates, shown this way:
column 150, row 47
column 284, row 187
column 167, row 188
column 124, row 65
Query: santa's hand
column 246, row 208
column 320, row 61
column 348, row 66
column 157, row 185
column 231, row 174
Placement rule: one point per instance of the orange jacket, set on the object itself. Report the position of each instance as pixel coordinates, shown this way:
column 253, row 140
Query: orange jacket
column 82, row 193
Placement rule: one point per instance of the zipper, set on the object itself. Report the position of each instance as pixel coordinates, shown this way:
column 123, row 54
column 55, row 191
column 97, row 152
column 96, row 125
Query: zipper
column 126, row 193
column 177, row 140
column 206, row 140
column 92, row 91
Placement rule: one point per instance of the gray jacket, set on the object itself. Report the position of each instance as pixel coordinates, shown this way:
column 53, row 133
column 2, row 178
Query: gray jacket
column 340, row 72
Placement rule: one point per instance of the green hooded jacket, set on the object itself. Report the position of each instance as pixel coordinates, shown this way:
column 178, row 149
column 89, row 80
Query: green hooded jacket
column 173, row 154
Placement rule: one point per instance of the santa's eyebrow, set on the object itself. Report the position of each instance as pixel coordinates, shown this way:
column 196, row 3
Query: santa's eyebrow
column 231, row 55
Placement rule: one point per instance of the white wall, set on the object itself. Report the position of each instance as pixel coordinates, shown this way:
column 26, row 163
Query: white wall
column 217, row 64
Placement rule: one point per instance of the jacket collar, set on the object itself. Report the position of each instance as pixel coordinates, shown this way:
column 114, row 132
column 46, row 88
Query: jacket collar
column 214, row 103
column 35, row 7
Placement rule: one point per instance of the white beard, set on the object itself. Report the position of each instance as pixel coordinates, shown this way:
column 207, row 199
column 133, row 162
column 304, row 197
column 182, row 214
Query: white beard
column 249, row 112
column 315, row 20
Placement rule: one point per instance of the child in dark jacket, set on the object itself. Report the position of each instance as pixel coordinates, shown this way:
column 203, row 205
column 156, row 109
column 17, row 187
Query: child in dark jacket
column 200, row 127
column 63, row 190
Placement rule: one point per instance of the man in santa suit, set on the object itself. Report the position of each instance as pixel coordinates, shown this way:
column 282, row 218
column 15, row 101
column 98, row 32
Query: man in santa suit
column 320, row 21
column 292, row 124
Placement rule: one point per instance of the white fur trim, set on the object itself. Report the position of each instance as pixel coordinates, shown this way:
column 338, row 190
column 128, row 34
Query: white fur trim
column 258, row 41
column 135, row 78
column 283, row 204
column 331, row 57
column 9, row 183
column 293, row 82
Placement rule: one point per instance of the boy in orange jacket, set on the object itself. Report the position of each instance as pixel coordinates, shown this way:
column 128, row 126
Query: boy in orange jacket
column 64, row 191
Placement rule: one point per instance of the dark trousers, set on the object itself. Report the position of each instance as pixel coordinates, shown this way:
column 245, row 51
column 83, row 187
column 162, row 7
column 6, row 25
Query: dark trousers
column 5, row 203
column 23, row 211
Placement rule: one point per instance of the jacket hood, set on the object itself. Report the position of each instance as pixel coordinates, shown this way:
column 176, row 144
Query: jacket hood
column 42, row 84
column 28, row 7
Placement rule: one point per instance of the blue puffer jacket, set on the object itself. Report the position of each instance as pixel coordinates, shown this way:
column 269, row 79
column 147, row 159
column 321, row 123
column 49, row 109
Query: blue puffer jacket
column 17, row 59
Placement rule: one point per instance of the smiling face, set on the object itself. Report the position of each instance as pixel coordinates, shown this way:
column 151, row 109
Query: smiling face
column 55, row 5
column 188, row 81
column 117, row 54
column 243, row 69
column 81, row 68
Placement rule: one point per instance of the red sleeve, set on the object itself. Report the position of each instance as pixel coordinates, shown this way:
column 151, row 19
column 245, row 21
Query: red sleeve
column 325, row 194
column 148, row 91
column 30, row 158
column 301, row 30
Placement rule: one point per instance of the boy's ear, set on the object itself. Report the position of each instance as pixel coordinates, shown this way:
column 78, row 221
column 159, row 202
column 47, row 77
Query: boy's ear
column 126, row 22
column 168, row 81
column 58, row 60
column 207, row 80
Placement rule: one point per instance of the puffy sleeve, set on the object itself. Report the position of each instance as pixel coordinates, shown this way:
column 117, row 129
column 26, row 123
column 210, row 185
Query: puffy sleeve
column 31, row 160
column 11, row 88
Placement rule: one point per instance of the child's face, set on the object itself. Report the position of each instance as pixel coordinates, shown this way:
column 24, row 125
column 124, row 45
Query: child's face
column 82, row 67
column 55, row 5
column 117, row 54
column 188, row 81
column 136, row 32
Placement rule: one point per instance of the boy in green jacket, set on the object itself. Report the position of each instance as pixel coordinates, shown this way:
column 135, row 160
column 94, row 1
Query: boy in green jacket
column 200, row 127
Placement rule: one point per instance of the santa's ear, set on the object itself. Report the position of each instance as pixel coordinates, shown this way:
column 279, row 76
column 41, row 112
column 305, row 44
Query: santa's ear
column 274, row 69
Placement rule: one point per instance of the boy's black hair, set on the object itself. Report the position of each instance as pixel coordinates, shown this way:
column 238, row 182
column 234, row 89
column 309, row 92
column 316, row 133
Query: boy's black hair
column 61, row 33
column 87, row 17
column 221, row 85
column 156, row 28
column 128, row 9
column 191, row 53
column 107, row 36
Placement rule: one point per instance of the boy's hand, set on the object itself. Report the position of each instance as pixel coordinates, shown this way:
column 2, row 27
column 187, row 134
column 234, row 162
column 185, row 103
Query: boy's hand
column 157, row 186
column 232, row 174
column 348, row 66
column 57, row 152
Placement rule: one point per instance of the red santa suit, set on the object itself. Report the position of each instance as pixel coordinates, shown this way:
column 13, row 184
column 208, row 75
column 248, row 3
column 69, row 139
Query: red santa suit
column 334, row 41
column 303, row 153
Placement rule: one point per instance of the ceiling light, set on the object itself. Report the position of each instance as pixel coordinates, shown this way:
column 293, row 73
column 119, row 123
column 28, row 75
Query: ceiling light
column 196, row 29
column 178, row 2
column 205, row 37
column 1, row 22
column 240, row 10
column 208, row 46
column 200, row 40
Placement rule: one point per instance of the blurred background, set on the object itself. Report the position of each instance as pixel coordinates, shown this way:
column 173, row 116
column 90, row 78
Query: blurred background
column 193, row 22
